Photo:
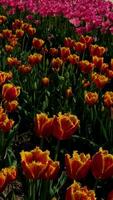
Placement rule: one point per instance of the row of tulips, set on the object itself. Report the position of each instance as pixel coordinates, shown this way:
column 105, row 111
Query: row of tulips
column 37, row 164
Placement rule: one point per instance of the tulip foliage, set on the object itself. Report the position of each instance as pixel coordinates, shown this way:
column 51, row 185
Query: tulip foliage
column 56, row 100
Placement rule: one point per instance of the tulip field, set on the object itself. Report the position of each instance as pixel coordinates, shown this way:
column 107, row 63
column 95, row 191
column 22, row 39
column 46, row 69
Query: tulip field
column 56, row 100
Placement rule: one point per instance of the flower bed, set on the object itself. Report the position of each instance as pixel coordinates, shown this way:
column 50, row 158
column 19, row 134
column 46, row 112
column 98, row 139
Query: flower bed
column 56, row 111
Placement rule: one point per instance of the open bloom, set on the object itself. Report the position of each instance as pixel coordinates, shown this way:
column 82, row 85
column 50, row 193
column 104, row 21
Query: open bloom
column 10, row 92
column 68, row 42
column 5, row 123
column 79, row 46
column 108, row 99
column 7, row 175
column 11, row 106
column 99, row 80
column 65, row 52
column 78, row 166
column 86, row 66
column 37, row 43
column 76, row 192
column 102, row 164
column 86, row 40
column 35, row 58
column 96, row 50
column 91, row 98
column 73, row 59
column 43, row 125
column 56, row 64
column 37, row 164
column 64, row 125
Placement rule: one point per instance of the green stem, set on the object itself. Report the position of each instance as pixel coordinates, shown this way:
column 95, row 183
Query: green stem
column 44, row 190
column 57, row 149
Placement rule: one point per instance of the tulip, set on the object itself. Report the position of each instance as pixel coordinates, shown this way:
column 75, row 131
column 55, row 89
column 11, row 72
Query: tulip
column 43, row 125
column 64, row 52
column 86, row 40
column 91, row 98
column 19, row 33
column 37, row 164
column 108, row 99
column 7, row 175
column 45, row 81
column 75, row 192
column 79, row 47
column 56, row 64
column 10, row 92
column 78, row 166
column 99, row 80
column 68, row 42
column 64, row 126
column 102, row 165
column 86, row 66
column 25, row 69
column 11, row 106
column 12, row 61
column 37, row 43
column 69, row 92
column 53, row 51
column 96, row 50
column 73, row 59
column 8, row 48
column 34, row 59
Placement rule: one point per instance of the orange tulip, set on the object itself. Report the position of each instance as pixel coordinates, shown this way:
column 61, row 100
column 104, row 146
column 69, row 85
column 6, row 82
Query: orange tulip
column 37, row 164
column 108, row 99
column 69, row 92
column 98, row 61
column 7, row 175
column 13, row 40
column 79, row 46
column 10, row 92
column 7, row 33
column 31, row 31
column 12, row 61
column 45, row 81
column 5, row 123
column 96, row 50
column 102, row 165
column 34, row 59
column 11, row 106
column 110, row 195
column 91, row 98
column 65, row 125
column 56, row 64
column 37, row 43
column 19, row 33
column 24, row 69
column 75, row 192
column 86, row 66
column 68, row 42
column 8, row 48
column 2, row 19
column 43, row 125
column 86, row 39
column 99, row 80
column 10, row 173
column 53, row 51
column 17, row 24
column 65, row 52
column 73, row 59
column 78, row 166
